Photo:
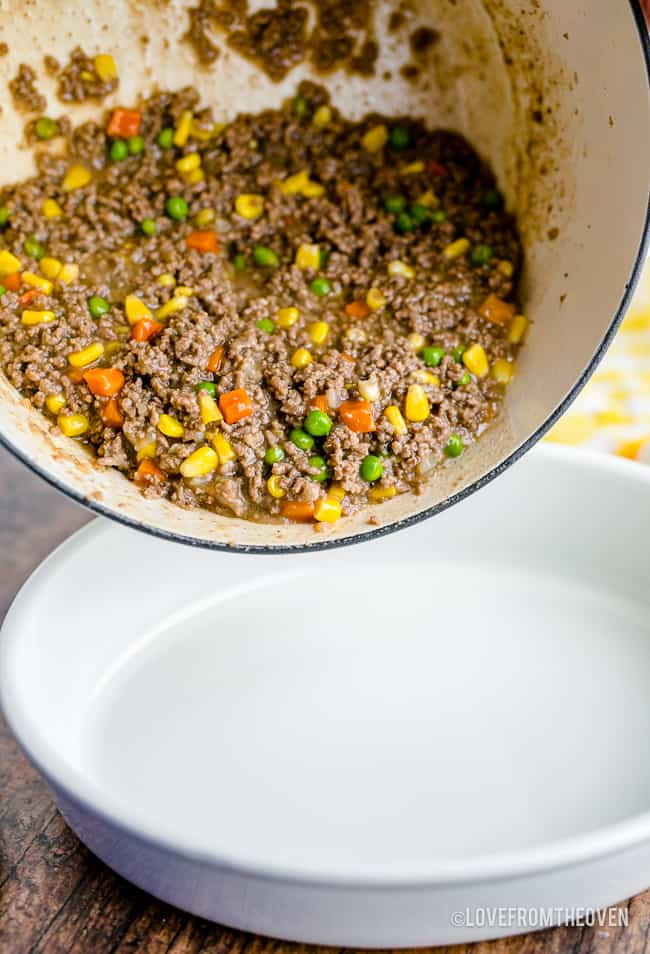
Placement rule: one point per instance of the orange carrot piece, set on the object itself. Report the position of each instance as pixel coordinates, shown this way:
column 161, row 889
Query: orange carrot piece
column 124, row 123
column 76, row 375
column 358, row 416
column 215, row 359
column 147, row 471
column 320, row 403
column 298, row 510
column 235, row 405
column 203, row 241
column 357, row 309
column 111, row 414
column 12, row 282
column 27, row 296
column 145, row 328
column 105, row 382
column 496, row 310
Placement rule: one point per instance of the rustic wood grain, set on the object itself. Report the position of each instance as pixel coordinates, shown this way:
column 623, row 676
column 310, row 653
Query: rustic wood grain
column 56, row 898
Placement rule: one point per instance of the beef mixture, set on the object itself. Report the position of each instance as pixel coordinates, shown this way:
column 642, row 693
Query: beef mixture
column 286, row 317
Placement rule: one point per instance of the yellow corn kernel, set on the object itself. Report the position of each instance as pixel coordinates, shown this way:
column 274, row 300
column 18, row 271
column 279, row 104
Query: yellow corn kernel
column 336, row 492
column 188, row 163
column 375, row 139
column 209, row 408
column 518, row 329
column 197, row 131
column 51, row 209
column 223, row 448
column 368, row 389
column 313, row 190
column 146, row 451
column 397, row 267
column 175, row 303
column 381, row 493
column 35, row 281
column 135, row 309
column 50, row 267
column 105, row 67
column 249, row 205
column 294, row 185
column 327, row 510
column 429, row 199
column 196, row 175
column 413, row 168
column 167, row 280
column 54, row 402
column 506, row 268
column 475, row 360
column 322, row 117
column 203, row 461
column 183, row 290
column 183, row 128
column 274, row 487
column 394, row 417
column 301, row 358
column 169, row 426
column 416, row 341
column 69, row 273
column 76, row 177
column 425, row 377
column 8, row 263
column 456, row 249
column 73, row 425
column 374, row 299
column 416, row 406
column 203, row 218
column 286, row 317
column 308, row 256
column 502, row 371
column 81, row 359
column 318, row 331
column 36, row 317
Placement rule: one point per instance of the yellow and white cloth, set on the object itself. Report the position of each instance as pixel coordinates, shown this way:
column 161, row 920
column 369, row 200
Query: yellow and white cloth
column 612, row 413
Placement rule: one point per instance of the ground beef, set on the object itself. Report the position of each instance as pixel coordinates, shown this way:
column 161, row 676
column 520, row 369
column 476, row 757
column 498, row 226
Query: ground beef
column 24, row 93
column 233, row 277
column 79, row 80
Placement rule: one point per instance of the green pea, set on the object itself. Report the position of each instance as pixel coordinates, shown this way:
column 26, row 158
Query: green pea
column 4, row 216
column 148, row 227
column 46, row 128
column 300, row 106
column 420, row 213
column 480, row 255
column 399, row 137
column 176, row 207
column 403, row 223
column 208, row 386
column 371, row 468
column 119, row 150
column 136, row 145
column 394, row 204
column 457, row 353
column 464, row 381
column 432, row 356
column 265, row 257
column 438, row 215
column 273, row 455
column 239, row 263
column 265, row 325
column 166, row 138
column 320, row 286
column 492, row 199
column 301, row 439
column 98, row 306
column 33, row 248
column 454, row 446
column 318, row 423
column 3, row 290
column 319, row 464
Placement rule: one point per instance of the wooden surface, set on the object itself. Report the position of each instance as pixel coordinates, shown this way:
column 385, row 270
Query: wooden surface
column 55, row 897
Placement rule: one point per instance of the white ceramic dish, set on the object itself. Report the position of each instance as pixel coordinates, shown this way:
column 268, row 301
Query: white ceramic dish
column 350, row 746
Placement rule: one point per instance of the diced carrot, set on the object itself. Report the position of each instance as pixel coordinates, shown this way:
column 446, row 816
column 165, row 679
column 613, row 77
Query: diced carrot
column 320, row 403
column 76, row 375
column 12, row 282
column 145, row 328
column 105, row 382
column 358, row 416
column 27, row 296
column 496, row 310
column 124, row 123
column 203, row 241
column 111, row 414
column 215, row 359
column 298, row 510
column 357, row 309
column 437, row 168
column 235, row 405
column 147, row 471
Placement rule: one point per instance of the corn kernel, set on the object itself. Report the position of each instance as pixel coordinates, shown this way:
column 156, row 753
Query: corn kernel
column 146, row 451
column 135, row 309
column 175, row 303
column 293, row 185
column 274, row 487
column 425, row 377
column 416, row 341
column 209, row 408
column 51, row 209
column 76, row 177
column 287, row 317
column 429, row 199
column 301, row 358
column 502, row 371
column 183, row 290
column 35, row 281
column 8, row 263
column 167, row 280
column 318, row 331
column 183, row 128
column 73, row 425
column 327, row 510
column 169, row 426
column 416, row 406
column 54, row 402
column 313, row 190
column 196, row 175
column 394, row 417
column 36, row 317
column 413, row 168
column 322, row 117
column 397, row 267
column 203, row 218
column 456, row 249
column 223, row 448
column 87, row 76
column 375, row 139
column 50, row 267
column 336, row 492
column 203, row 461
column 368, row 389
column 518, row 329
column 81, row 359
column 506, row 268
column 475, row 360
column 105, row 67
column 69, row 273
column 308, row 256
column 374, row 299
column 112, row 347
column 249, row 205
column 188, row 163
column 381, row 493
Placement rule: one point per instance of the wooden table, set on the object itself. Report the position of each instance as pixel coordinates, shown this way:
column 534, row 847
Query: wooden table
column 55, row 897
